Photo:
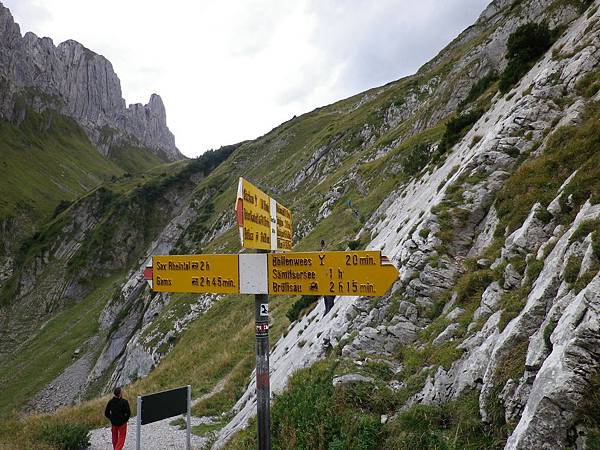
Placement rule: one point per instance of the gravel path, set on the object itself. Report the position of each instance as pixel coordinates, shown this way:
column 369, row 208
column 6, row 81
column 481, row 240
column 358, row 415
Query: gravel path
column 155, row 436
column 158, row 435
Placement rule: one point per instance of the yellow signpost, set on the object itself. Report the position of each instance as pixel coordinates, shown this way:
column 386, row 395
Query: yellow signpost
column 283, row 218
column 357, row 273
column 264, row 224
column 360, row 273
column 217, row 274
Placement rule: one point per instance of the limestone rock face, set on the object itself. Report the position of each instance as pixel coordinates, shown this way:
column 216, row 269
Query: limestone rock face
column 81, row 84
column 540, row 401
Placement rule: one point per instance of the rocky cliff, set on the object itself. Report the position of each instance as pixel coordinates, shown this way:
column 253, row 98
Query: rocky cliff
column 512, row 324
column 80, row 84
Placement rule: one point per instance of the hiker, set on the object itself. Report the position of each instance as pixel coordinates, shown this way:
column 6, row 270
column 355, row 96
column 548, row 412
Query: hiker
column 118, row 412
column 328, row 299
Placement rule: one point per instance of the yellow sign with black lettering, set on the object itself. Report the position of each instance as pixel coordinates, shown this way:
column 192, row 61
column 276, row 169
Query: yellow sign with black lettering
column 263, row 223
column 361, row 273
column 216, row 274
column 284, row 227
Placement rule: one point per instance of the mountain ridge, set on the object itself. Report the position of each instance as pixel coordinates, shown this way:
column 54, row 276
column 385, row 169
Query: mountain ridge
column 80, row 84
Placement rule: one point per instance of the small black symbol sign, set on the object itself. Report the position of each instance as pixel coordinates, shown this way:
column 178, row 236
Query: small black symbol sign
column 264, row 309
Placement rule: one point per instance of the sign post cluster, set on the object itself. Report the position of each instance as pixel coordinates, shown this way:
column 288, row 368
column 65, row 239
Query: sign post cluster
column 266, row 226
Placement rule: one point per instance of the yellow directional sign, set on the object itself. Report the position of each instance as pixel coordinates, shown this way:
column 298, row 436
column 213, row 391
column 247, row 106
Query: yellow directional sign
column 264, row 224
column 217, row 274
column 365, row 273
column 283, row 218
column 362, row 273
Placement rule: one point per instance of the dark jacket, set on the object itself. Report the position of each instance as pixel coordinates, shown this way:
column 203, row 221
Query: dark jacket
column 117, row 411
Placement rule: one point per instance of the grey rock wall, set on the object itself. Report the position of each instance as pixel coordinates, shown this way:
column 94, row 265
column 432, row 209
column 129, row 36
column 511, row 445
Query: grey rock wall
column 80, row 84
column 543, row 402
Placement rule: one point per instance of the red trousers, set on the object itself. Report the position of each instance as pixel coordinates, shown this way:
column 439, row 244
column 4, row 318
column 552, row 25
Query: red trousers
column 118, row 436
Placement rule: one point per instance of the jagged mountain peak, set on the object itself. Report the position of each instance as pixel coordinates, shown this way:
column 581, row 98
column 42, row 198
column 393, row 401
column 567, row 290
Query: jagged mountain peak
column 155, row 107
column 80, row 84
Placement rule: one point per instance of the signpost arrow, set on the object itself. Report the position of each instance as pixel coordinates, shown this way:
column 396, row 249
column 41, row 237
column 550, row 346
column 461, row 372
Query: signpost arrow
column 148, row 273
column 216, row 274
column 361, row 273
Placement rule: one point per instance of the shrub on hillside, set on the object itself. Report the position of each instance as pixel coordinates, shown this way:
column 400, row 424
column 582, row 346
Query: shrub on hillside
column 479, row 88
column 589, row 84
column 588, row 411
column 572, row 268
column 62, row 206
column 303, row 302
column 355, row 244
column 472, row 284
column 312, row 413
column 524, row 47
column 65, row 436
column 451, row 426
column 456, row 128
column 416, row 159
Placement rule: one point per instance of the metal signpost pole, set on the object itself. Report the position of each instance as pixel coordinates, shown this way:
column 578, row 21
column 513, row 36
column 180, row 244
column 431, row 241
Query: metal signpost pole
column 138, row 444
column 263, row 387
column 188, row 442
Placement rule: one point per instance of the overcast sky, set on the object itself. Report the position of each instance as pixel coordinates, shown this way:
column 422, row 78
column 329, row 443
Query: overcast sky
column 232, row 70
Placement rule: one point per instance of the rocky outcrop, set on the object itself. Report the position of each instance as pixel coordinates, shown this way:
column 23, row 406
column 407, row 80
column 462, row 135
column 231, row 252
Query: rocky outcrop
column 80, row 84
column 541, row 401
column 562, row 382
column 149, row 345
column 67, row 388
column 128, row 351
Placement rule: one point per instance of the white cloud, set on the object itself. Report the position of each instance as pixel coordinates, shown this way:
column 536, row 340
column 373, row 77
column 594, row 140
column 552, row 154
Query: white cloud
column 232, row 70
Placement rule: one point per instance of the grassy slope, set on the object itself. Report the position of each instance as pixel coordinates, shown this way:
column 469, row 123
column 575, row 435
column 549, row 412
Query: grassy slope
column 48, row 159
column 51, row 350
column 135, row 159
column 456, row 425
column 312, row 414
column 45, row 160
column 201, row 358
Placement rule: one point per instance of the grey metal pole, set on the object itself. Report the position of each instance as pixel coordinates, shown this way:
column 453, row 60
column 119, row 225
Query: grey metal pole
column 188, row 441
column 263, row 386
column 138, row 431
